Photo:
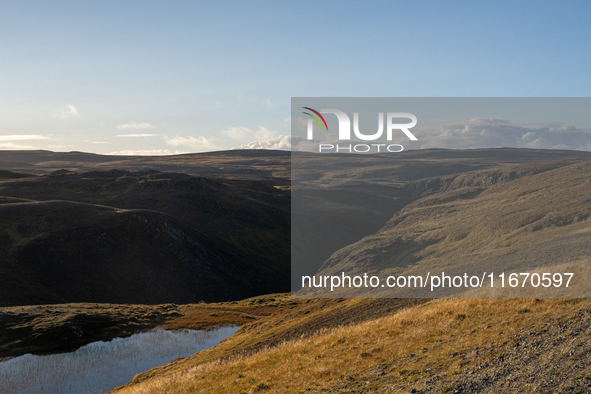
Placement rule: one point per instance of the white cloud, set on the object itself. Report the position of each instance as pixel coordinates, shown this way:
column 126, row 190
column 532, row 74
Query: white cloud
column 138, row 135
column 192, row 142
column 264, row 133
column 262, row 138
column 134, row 125
column 281, row 142
column 12, row 145
column 492, row 133
column 237, row 133
column 287, row 120
column 269, row 104
column 146, row 152
column 244, row 133
column 481, row 133
column 101, row 142
column 69, row 111
column 17, row 137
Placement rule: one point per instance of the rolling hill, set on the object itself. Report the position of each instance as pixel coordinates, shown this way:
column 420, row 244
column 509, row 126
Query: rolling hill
column 346, row 213
column 141, row 236
column 216, row 227
column 393, row 346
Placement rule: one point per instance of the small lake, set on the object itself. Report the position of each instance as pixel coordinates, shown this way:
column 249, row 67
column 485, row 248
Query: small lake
column 101, row 366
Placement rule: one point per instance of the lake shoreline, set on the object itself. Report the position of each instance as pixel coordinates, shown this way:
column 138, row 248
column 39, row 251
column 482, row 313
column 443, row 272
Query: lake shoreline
column 52, row 329
column 103, row 365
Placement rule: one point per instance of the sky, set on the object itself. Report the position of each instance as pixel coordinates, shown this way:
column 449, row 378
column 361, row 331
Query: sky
column 155, row 77
column 441, row 122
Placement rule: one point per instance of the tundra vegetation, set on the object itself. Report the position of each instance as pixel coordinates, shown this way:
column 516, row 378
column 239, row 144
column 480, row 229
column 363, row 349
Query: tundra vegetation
column 96, row 247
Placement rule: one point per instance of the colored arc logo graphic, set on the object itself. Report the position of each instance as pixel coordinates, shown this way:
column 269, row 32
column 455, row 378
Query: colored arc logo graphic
column 315, row 118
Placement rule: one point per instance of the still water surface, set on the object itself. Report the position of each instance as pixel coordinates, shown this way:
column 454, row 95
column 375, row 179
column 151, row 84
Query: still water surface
column 101, row 366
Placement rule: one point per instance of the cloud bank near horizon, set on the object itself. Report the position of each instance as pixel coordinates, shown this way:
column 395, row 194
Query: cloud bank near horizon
column 494, row 133
column 477, row 133
column 281, row 142
column 449, row 134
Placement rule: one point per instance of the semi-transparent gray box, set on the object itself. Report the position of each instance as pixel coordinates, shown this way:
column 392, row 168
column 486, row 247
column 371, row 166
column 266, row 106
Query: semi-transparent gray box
column 441, row 197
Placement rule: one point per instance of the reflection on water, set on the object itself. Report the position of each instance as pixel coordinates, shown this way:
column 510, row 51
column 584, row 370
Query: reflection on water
column 101, row 366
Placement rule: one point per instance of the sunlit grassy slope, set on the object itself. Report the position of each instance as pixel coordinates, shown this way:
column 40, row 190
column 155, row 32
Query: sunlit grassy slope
column 471, row 345
column 515, row 219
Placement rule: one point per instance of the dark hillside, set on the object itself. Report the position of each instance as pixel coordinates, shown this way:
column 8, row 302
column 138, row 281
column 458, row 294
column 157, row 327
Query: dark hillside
column 85, row 233
column 60, row 251
column 251, row 218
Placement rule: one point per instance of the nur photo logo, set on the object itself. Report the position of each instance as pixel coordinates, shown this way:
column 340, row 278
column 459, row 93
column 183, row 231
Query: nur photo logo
column 344, row 131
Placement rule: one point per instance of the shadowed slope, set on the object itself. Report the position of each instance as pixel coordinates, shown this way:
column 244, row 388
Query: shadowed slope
column 248, row 217
column 59, row 251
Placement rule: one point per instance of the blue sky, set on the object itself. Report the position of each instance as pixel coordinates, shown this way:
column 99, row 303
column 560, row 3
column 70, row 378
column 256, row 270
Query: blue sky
column 189, row 76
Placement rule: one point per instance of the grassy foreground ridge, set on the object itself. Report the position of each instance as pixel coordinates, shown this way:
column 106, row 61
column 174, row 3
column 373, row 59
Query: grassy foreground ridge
column 439, row 346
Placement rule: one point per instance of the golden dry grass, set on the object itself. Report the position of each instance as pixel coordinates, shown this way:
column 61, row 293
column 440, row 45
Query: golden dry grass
column 425, row 337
